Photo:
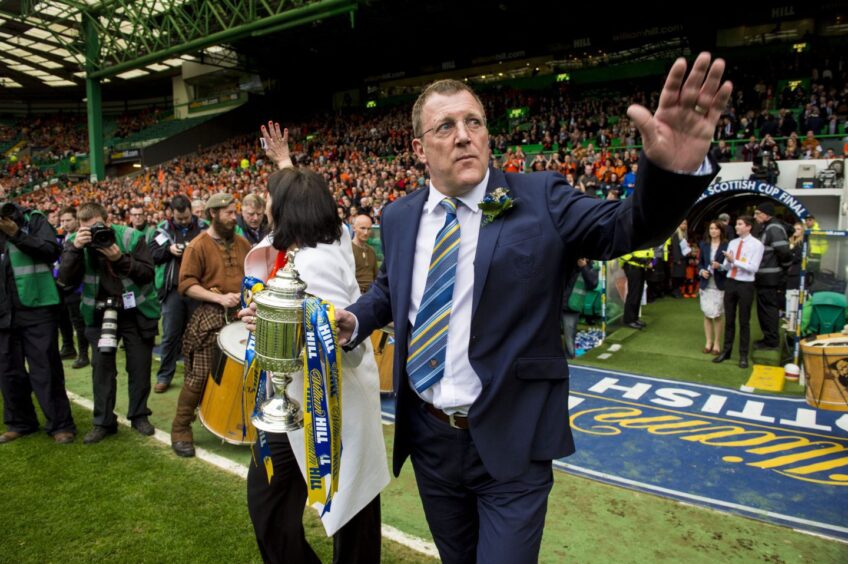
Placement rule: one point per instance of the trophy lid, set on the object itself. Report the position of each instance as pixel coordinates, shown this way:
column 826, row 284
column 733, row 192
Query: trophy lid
column 285, row 290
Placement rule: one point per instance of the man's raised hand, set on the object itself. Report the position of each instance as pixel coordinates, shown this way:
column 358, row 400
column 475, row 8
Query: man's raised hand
column 678, row 136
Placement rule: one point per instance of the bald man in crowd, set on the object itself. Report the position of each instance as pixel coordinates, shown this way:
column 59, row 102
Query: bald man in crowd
column 363, row 254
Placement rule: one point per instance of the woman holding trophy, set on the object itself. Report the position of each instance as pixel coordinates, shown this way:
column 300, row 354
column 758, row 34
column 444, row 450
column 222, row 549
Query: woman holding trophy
column 308, row 232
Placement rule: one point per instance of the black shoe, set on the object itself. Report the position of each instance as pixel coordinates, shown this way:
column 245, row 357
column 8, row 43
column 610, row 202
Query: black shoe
column 80, row 362
column 722, row 357
column 67, row 353
column 743, row 362
column 97, row 434
column 633, row 325
column 183, row 448
column 143, row 426
column 762, row 345
column 641, row 323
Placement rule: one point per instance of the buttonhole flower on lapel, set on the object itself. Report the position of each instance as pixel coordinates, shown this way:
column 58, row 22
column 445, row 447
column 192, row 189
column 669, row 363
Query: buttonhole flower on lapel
column 495, row 204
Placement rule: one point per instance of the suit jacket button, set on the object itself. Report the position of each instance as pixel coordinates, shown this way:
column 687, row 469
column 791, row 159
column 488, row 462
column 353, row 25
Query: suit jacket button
column 473, row 338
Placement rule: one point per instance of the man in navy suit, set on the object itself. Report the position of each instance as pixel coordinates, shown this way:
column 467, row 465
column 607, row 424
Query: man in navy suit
column 481, row 375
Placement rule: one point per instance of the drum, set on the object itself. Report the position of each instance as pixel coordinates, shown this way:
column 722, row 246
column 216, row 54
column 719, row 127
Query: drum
column 826, row 367
column 227, row 403
column 384, row 353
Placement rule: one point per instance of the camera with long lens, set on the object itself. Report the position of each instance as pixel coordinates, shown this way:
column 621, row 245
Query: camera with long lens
column 108, row 342
column 102, row 237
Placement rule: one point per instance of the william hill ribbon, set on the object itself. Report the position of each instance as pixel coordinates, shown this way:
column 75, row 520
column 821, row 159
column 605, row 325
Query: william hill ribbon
column 255, row 378
column 322, row 390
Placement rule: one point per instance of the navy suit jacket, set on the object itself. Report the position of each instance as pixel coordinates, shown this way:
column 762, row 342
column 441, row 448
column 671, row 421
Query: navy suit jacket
column 704, row 261
column 522, row 262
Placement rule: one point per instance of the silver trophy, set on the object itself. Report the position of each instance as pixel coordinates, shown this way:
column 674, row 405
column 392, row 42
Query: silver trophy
column 279, row 343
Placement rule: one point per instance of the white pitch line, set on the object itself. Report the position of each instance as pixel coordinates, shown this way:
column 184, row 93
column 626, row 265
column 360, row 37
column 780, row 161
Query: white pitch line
column 414, row 543
column 409, row 541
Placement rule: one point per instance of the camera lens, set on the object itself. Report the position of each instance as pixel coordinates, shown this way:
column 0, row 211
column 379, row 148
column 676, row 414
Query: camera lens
column 108, row 342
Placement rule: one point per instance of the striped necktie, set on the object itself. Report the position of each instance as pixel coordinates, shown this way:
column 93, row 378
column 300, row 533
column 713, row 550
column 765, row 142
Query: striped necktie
column 425, row 362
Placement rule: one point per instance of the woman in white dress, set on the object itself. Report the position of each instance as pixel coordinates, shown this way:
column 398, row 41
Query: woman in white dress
column 304, row 217
column 712, row 285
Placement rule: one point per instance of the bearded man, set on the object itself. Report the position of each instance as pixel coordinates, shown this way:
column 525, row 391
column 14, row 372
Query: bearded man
column 211, row 273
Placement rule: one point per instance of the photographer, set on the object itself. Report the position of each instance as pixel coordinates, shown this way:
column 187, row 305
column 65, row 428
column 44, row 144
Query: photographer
column 167, row 248
column 118, row 302
column 29, row 334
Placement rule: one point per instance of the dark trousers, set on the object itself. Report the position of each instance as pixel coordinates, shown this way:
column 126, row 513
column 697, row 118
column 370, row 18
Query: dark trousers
column 35, row 346
column 104, row 373
column 474, row 517
column 769, row 301
column 738, row 295
column 72, row 307
column 176, row 311
column 276, row 510
column 66, row 327
column 635, row 283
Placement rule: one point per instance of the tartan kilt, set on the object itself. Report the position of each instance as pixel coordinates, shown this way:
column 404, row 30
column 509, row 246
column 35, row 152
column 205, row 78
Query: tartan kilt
column 200, row 343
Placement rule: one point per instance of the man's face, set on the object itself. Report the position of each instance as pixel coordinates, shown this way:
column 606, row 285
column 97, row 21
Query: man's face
column 760, row 217
column 457, row 161
column 362, row 229
column 136, row 217
column 68, row 222
column 224, row 221
column 742, row 228
column 182, row 218
column 809, row 222
column 252, row 216
column 53, row 218
column 197, row 209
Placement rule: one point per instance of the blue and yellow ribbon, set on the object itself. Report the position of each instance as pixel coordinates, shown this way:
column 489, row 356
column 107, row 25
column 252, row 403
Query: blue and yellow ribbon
column 255, row 378
column 322, row 389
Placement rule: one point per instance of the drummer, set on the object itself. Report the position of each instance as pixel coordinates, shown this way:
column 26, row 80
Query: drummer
column 211, row 273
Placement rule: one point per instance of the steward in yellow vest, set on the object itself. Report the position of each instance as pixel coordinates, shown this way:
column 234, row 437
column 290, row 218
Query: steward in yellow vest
column 635, row 264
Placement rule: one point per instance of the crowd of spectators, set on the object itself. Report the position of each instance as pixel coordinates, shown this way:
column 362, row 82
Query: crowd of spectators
column 133, row 122
column 584, row 134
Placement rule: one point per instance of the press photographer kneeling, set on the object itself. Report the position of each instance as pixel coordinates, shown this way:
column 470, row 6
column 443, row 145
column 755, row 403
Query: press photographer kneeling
column 118, row 302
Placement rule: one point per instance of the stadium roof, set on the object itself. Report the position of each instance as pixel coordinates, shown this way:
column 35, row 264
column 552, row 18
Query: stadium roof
column 55, row 44
column 142, row 43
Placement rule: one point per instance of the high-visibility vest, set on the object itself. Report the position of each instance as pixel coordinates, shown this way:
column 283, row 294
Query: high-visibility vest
column 33, row 279
column 818, row 243
column 638, row 258
column 146, row 300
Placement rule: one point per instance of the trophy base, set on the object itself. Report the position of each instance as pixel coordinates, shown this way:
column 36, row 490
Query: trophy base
column 278, row 416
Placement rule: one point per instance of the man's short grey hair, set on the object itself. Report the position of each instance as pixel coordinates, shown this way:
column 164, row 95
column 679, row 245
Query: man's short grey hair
column 445, row 87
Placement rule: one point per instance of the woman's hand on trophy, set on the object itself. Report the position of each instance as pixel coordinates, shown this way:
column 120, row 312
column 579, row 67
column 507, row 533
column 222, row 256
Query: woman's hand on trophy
column 248, row 317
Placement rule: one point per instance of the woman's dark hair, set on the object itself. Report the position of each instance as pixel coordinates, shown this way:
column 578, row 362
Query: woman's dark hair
column 303, row 210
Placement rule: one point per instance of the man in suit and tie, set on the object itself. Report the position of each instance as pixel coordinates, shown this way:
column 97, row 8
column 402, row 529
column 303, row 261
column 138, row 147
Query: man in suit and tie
column 475, row 296
column 741, row 262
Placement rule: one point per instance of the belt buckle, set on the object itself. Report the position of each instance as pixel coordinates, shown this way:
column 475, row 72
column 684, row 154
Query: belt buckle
column 452, row 421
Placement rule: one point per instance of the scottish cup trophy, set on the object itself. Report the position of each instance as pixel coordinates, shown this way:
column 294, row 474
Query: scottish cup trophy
column 279, row 343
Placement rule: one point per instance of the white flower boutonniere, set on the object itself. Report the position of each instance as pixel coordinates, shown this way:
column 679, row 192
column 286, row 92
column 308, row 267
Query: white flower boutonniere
column 495, row 204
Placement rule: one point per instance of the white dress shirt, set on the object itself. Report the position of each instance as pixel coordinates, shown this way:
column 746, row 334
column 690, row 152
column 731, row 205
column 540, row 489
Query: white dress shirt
column 749, row 258
column 460, row 385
